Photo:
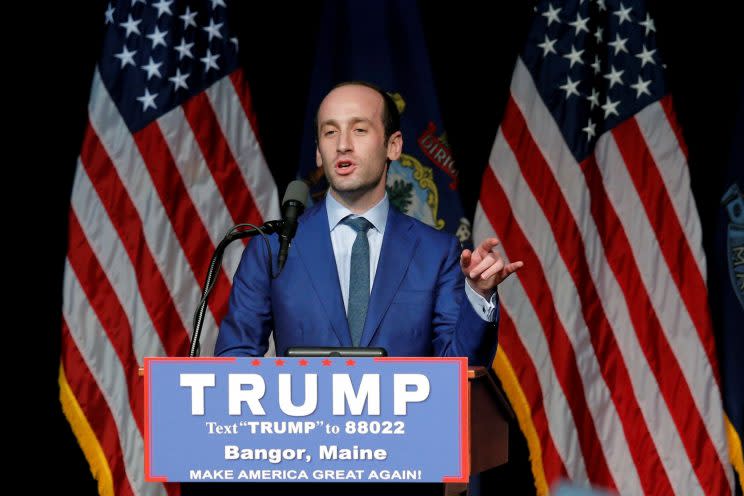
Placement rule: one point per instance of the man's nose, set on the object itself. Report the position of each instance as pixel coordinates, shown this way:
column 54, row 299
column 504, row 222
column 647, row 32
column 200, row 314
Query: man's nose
column 344, row 143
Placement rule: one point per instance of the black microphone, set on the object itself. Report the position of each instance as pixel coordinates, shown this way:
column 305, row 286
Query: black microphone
column 293, row 205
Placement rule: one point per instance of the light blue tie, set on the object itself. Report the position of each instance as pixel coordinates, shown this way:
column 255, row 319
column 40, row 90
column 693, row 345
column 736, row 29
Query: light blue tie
column 358, row 278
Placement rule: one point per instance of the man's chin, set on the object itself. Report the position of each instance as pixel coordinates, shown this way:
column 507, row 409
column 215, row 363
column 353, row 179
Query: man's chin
column 350, row 187
column 354, row 189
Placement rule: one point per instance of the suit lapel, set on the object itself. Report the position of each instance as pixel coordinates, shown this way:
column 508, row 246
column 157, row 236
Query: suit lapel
column 313, row 246
column 398, row 247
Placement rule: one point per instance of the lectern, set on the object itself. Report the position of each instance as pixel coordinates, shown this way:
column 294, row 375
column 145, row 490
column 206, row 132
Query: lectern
column 490, row 415
column 199, row 417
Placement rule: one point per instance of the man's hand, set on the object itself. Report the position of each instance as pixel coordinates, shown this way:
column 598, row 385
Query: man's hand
column 485, row 269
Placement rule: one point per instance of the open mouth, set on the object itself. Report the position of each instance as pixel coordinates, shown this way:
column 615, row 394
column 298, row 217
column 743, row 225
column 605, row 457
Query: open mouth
column 344, row 167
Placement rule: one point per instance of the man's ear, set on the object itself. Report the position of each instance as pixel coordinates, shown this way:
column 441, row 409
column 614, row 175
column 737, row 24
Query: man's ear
column 395, row 146
column 318, row 158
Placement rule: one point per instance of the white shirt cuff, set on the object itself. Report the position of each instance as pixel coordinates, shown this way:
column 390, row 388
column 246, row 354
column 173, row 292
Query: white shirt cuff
column 483, row 307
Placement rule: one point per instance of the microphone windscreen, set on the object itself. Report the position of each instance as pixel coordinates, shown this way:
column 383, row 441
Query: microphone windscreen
column 296, row 190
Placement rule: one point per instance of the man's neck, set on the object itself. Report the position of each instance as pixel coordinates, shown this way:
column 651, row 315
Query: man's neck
column 358, row 203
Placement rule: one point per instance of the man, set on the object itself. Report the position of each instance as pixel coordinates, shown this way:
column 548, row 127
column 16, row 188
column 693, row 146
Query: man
column 400, row 282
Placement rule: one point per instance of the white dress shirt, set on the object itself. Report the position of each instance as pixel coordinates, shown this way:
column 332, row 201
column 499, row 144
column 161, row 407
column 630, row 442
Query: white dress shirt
column 342, row 239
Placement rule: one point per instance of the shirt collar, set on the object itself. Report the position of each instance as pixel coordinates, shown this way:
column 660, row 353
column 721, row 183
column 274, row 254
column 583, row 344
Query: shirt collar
column 376, row 215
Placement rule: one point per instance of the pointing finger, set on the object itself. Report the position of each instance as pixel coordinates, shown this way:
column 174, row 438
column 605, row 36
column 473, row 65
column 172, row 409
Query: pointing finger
column 465, row 258
column 488, row 244
column 513, row 267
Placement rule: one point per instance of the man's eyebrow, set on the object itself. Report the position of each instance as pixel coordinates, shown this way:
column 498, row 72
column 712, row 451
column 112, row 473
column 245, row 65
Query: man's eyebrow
column 357, row 120
column 354, row 120
column 327, row 122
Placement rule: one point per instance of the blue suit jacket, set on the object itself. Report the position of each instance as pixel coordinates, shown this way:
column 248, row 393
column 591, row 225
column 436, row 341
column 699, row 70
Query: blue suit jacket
column 417, row 307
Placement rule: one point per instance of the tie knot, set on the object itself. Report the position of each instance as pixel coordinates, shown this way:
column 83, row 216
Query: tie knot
column 359, row 224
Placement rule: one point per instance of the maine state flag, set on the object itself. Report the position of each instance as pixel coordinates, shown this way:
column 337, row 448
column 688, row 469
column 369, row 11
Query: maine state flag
column 383, row 43
column 726, row 291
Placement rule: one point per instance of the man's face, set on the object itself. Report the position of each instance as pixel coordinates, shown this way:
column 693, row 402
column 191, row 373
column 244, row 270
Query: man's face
column 351, row 143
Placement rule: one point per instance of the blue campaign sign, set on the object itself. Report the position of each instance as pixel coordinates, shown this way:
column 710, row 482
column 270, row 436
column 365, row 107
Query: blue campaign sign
column 306, row 419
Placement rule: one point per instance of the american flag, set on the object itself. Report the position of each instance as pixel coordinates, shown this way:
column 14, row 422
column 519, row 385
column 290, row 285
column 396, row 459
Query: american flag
column 168, row 163
column 605, row 347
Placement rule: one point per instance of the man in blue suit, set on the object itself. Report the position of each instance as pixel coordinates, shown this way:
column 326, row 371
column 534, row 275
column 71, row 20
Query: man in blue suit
column 359, row 272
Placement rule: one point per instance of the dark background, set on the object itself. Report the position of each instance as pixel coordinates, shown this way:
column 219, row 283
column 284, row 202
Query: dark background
column 472, row 46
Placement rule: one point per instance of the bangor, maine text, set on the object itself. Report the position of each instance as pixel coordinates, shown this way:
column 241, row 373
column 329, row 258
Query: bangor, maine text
column 325, row 452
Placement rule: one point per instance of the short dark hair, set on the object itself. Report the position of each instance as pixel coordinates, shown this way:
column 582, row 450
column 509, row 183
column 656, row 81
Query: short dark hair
column 390, row 114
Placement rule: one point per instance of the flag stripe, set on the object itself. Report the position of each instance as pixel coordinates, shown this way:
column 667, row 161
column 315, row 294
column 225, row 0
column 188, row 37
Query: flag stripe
column 671, row 118
column 148, row 214
column 596, row 167
column 678, row 329
column 228, row 101
column 229, row 98
column 182, row 216
column 579, row 192
column 196, row 179
column 571, row 247
column 127, row 222
column 206, row 199
column 561, row 351
column 219, row 158
column 661, row 289
column 664, row 366
column 168, row 164
column 241, row 91
column 103, row 301
column 101, row 360
column 509, row 339
column 532, row 362
column 96, row 410
column 672, row 240
column 569, row 178
column 670, row 159
column 114, row 260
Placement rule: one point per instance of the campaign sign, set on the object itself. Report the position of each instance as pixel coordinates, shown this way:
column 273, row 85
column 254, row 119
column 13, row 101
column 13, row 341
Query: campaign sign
column 306, row 419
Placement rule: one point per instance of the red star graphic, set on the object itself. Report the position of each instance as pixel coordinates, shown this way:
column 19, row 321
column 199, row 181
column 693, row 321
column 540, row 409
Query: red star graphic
column 326, row 363
column 350, row 362
column 303, row 363
column 279, row 362
column 256, row 362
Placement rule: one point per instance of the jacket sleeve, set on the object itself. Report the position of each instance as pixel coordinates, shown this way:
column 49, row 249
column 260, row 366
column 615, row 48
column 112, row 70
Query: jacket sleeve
column 248, row 323
column 458, row 329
